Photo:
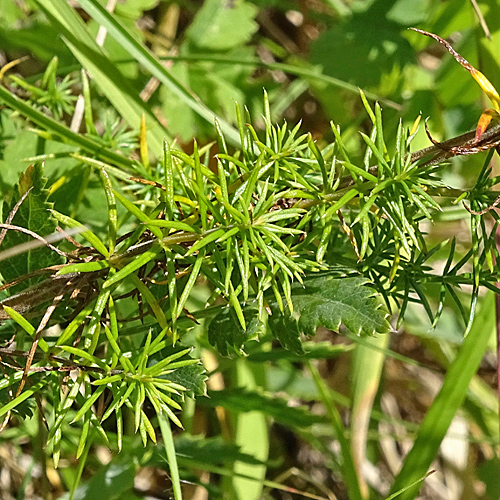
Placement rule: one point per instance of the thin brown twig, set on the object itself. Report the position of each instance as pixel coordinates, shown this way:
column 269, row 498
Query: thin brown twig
column 38, row 334
column 466, row 148
column 485, row 210
column 33, row 235
column 28, row 276
column 461, row 60
column 69, row 237
column 482, row 21
column 13, row 212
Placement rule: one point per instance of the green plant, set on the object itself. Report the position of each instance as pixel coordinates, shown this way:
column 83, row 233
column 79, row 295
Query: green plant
column 265, row 242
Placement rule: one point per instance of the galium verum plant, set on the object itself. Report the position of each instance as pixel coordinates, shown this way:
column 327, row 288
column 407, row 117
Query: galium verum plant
column 286, row 237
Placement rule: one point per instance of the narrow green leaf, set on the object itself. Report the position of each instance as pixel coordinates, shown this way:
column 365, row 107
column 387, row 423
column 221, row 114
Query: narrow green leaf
column 86, row 233
column 448, row 401
column 137, row 213
column 119, row 428
column 137, row 263
column 155, row 369
column 371, row 114
column 150, row 299
column 93, row 360
column 82, row 442
column 169, row 180
column 144, row 355
column 25, row 325
column 171, row 224
column 168, row 443
column 27, row 392
column 126, row 363
column 75, row 324
column 94, row 329
column 378, row 153
column 146, row 58
column 148, row 427
column 89, row 118
column 190, row 283
column 207, row 238
column 321, row 162
column 359, row 171
column 112, row 213
column 84, row 267
column 114, row 171
column 89, row 401
column 108, row 380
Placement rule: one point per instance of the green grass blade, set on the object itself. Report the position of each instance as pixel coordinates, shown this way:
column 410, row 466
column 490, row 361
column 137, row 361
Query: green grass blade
column 105, row 73
column 112, row 213
column 63, row 132
column 168, row 442
column 251, row 434
column 349, row 470
column 447, row 402
column 145, row 57
column 366, row 374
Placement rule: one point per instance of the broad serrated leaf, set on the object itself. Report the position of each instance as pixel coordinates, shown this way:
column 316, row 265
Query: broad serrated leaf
column 242, row 400
column 192, row 377
column 32, row 214
column 329, row 301
column 225, row 329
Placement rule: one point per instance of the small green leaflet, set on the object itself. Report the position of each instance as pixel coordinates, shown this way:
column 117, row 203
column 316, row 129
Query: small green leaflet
column 329, row 301
column 32, row 214
column 225, row 329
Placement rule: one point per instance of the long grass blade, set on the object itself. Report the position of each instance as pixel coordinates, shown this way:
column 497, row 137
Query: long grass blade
column 146, row 58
